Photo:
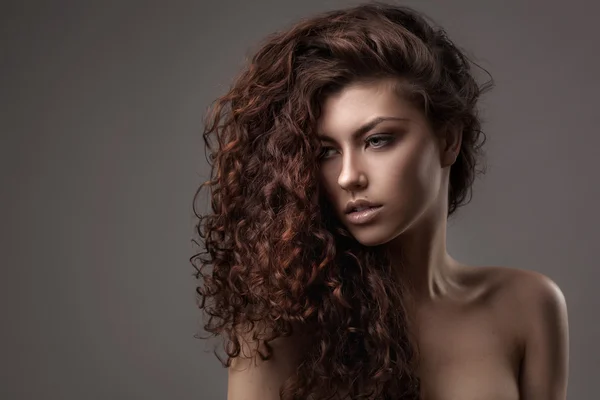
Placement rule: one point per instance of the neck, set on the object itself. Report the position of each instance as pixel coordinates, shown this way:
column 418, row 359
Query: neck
column 421, row 261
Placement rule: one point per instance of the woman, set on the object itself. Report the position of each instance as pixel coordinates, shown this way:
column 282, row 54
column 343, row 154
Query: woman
column 341, row 151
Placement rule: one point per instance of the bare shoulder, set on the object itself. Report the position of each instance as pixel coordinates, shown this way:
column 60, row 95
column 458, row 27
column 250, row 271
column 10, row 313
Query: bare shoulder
column 252, row 378
column 526, row 286
column 531, row 298
column 506, row 284
column 536, row 307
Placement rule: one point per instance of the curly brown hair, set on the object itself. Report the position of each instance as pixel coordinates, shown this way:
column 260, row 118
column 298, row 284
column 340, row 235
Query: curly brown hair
column 280, row 259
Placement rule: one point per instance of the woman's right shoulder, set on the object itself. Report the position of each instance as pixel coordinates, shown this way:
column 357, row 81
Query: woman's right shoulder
column 252, row 378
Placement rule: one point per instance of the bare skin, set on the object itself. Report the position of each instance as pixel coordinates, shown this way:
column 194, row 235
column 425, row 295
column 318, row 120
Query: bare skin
column 469, row 345
column 473, row 346
column 501, row 335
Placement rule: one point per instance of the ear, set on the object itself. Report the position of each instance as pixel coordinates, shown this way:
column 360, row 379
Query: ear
column 450, row 142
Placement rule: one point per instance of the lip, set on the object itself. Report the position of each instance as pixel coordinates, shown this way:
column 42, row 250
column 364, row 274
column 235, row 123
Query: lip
column 364, row 216
column 358, row 204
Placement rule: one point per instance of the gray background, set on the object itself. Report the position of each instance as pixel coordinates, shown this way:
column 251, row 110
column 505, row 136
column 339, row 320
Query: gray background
column 101, row 154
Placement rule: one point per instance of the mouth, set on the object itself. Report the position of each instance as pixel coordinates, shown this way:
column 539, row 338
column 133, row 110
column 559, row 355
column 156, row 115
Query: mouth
column 363, row 215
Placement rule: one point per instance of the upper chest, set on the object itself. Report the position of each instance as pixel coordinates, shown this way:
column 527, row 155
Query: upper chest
column 468, row 352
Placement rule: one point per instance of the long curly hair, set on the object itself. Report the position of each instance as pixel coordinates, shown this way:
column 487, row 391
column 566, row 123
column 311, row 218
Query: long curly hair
column 281, row 260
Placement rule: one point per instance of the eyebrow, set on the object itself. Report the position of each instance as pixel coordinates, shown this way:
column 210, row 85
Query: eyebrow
column 364, row 128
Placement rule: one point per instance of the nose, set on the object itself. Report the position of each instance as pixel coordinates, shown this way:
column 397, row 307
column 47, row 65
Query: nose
column 352, row 176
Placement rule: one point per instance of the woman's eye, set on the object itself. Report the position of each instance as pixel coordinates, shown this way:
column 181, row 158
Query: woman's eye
column 375, row 141
column 324, row 151
column 379, row 141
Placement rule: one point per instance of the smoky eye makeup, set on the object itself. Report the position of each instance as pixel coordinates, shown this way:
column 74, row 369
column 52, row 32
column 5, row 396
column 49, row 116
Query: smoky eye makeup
column 383, row 138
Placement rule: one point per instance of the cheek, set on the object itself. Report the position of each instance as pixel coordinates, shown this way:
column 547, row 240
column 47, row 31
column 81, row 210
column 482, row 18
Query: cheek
column 428, row 178
column 411, row 178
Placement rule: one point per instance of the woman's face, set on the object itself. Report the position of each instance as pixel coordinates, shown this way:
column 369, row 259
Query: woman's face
column 395, row 162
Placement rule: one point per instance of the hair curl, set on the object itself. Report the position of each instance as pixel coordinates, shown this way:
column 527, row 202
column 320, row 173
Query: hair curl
column 281, row 261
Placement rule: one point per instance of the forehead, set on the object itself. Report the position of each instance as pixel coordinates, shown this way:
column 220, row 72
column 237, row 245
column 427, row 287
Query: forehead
column 348, row 108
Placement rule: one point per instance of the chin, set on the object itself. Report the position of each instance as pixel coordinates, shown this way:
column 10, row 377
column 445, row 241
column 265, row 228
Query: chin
column 371, row 239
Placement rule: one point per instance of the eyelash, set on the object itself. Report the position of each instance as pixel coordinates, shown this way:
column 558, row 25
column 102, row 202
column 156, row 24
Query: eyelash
column 386, row 139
